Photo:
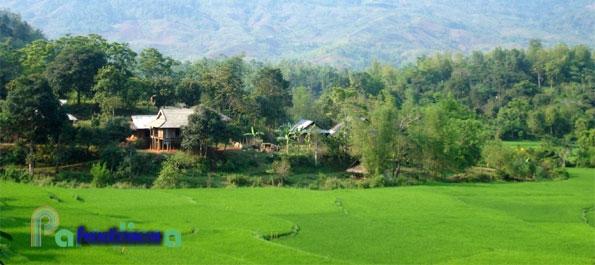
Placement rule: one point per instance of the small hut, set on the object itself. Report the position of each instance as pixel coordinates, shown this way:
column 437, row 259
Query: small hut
column 357, row 169
column 140, row 129
column 301, row 128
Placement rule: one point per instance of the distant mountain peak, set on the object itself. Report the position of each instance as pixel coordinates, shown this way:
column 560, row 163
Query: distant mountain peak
column 348, row 33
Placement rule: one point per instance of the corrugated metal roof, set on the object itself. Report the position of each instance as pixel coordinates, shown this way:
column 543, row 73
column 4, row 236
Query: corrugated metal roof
column 336, row 129
column 301, row 125
column 71, row 117
column 139, row 122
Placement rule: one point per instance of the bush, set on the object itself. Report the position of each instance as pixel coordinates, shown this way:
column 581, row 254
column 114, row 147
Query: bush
column 112, row 155
column 560, row 174
column 256, row 182
column 377, row 181
column 181, row 170
column 76, row 176
column 282, row 168
column 126, row 185
column 101, row 174
column 12, row 154
column 331, row 183
column 523, row 164
column 586, row 157
column 12, row 173
column 238, row 180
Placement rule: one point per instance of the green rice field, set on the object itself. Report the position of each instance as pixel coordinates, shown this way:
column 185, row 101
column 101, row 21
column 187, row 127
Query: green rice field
column 549, row 222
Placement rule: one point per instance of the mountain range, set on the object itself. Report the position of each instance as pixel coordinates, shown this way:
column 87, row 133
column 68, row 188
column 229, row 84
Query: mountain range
column 346, row 33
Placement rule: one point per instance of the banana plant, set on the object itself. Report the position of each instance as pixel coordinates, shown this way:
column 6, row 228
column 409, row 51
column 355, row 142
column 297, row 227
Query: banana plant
column 284, row 135
column 254, row 134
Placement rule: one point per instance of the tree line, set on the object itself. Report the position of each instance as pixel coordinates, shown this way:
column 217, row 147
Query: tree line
column 439, row 114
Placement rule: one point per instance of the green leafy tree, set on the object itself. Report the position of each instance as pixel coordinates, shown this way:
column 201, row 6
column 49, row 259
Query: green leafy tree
column 382, row 141
column 152, row 64
column 303, row 103
column 365, row 84
column 511, row 121
column 121, row 56
column 205, row 127
column 188, row 91
column 537, row 56
column 178, row 171
column 448, row 137
column 273, row 95
column 116, row 130
column 32, row 113
column 36, row 56
column 223, row 88
column 74, row 69
column 9, row 60
column 163, row 91
column 111, row 89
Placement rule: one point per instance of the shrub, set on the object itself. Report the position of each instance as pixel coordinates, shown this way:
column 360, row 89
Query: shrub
column 12, row 154
column 377, row 181
column 560, row 174
column 181, row 170
column 126, row 185
column 282, row 168
column 76, row 176
column 12, row 173
column 101, row 174
column 256, row 181
column 112, row 155
column 238, row 180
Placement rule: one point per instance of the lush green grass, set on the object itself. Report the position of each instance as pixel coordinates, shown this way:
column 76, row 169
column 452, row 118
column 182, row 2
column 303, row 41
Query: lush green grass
column 507, row 223
column 524, row 144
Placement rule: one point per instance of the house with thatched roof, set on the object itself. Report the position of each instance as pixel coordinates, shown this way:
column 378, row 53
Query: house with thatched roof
column 166, row 127
column 357, row 169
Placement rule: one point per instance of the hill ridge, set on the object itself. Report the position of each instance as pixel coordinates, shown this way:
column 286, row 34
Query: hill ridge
column 341, row 33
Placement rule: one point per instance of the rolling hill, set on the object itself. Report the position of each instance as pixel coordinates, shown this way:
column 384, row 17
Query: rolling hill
column 341, row 33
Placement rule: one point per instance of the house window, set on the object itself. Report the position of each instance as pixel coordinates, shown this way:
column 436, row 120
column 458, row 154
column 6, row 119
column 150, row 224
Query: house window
column 177, row 132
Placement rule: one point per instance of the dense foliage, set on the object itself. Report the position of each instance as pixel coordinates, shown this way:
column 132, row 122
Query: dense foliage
column 432, row 117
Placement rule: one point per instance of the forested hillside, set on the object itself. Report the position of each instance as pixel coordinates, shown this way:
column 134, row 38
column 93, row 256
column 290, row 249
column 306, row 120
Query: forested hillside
column 442, row 116
column 341, row 33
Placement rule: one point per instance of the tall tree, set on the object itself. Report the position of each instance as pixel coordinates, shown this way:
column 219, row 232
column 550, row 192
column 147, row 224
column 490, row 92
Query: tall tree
column 303, row 103
column 74, row 69
column 152, row 64
column 272, row 94
column 382, row 141
column 205, row 127
column 10, row 67
column 188, row 91
column 223, row 87
column 448, row 137
column 36, row 56
column 31, row 113
column 111, row 89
